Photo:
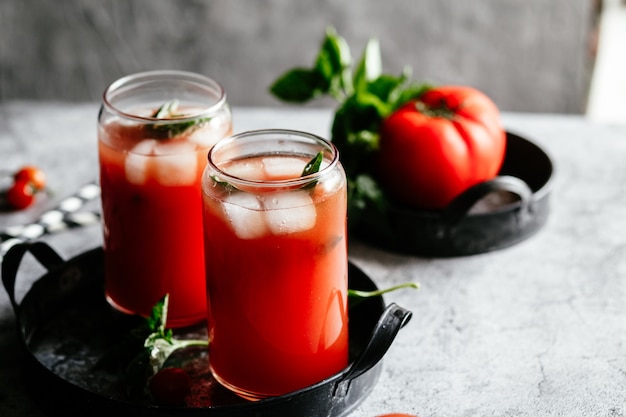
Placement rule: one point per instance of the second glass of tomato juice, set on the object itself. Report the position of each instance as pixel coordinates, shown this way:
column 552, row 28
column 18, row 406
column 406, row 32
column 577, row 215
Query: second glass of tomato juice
column 275, row 231
column 154, row 132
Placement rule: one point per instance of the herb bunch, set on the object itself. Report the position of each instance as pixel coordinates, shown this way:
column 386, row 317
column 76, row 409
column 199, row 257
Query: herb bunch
column 365, row 96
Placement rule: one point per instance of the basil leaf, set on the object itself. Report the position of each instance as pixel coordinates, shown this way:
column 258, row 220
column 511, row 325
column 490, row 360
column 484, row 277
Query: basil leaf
column 172, row 129
column 160, row 344
column 334, row 63
column 224, row 184
column 313, row 165
column 166, row 110
column 299, row 85
column 370, row 65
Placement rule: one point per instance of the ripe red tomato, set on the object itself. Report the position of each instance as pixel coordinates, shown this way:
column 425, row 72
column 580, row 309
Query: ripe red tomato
column 170, row 386
column 434, row 148
column 21, row 194
column 33, row 175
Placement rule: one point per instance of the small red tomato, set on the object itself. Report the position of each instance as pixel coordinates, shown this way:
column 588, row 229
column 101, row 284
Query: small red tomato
column 21, row 194
column 33, row 175
column 170, row 386
column 434, row 148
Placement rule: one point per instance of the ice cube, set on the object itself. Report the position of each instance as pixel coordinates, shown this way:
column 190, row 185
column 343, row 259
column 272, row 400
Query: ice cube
column 138, row 161
column 245, row 214
column 290, row 212
column 210, row 132
column 283, row 167
column 251, row 169
column 173, row 147
column 176, row 163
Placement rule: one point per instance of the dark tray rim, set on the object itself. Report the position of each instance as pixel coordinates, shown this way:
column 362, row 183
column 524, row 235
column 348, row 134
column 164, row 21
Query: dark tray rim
column 347, row 388
column 528, row 171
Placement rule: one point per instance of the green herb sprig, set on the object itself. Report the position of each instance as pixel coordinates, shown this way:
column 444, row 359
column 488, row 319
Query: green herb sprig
column 161, row 343
column 365, row 96
column 169, row 111
column 312, row 167
column 145, row 349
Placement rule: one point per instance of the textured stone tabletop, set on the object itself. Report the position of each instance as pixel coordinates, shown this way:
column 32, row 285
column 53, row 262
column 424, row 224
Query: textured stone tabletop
column 537, row 329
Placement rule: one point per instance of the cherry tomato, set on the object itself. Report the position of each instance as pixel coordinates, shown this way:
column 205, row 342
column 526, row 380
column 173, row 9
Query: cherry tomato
column 434, row 148
column 21, row 194
column 170, row 386
column 33, row 175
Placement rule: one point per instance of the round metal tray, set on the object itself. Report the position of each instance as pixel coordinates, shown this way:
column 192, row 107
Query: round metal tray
column 66, row 326
column 491, row 215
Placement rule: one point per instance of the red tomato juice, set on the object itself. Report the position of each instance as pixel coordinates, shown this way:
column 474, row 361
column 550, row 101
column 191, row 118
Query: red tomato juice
column 278, row 315
column 152, row 222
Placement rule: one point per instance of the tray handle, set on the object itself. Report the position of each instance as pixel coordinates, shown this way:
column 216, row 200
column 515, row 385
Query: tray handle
column 389, row 324
column 460, row 206
column 46, row 256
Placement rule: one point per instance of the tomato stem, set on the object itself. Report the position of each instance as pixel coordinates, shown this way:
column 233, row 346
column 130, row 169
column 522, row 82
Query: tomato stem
column 441, row 110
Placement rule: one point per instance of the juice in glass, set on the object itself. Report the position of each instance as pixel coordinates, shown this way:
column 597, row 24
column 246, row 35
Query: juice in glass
column 277, row 275
column 154, row 132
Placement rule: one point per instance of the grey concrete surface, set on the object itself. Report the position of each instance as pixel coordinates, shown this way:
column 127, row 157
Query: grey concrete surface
column 528, row 55
column 538, row 329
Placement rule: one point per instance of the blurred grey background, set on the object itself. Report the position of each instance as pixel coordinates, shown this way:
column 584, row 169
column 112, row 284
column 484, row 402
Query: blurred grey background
column 528, row 55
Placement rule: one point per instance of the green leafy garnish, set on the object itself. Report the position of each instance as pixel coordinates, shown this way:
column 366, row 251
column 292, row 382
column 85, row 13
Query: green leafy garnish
column 161, row 343
column 169, row 111
column 365, row 96
column 228, row 187
column 145, row 349
column 313, row 165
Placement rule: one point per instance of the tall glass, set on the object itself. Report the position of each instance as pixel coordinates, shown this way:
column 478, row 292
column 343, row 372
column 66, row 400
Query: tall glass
column 277, row 275
column 154, row 132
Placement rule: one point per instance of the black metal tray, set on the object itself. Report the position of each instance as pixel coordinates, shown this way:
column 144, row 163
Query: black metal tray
column 65, row 326
column 491, row 215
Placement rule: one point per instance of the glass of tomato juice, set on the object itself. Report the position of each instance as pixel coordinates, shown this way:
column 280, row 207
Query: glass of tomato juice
column 277, row 275
column 154, row 132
